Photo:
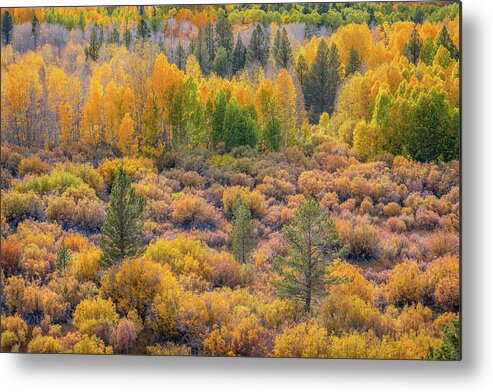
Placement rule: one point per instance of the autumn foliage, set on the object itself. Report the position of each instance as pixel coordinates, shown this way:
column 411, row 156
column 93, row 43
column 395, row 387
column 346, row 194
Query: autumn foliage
column 229, row 122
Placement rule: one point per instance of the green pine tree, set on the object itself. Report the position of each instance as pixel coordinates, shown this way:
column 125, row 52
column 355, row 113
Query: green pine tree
column 354, row 61
column 301, row 69
column 258, row 49
column 224, row 34
column 239, row 56
column 210, row 45
column 450, row 349
column 114, row 37
column 445, row 40
column 283, row 54
column 62, row 258
column 412, row 49
column 273, row 134
column 127, row 38
column 221, row 64
column 35, row 30
column 322, row 82
column 199, row 50
column 143, row 30
column 95, row 41
column 220, row 104
column 7, row 27
column 180, row 56
column 242, row 237
column 123, row 226
column 312, row 243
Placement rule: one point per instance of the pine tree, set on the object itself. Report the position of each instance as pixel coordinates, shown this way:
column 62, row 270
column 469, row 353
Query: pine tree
column 114, row 37
column 95, row 42
column 322, row 82
column 224, row 34
column 127, row 38
column 242, row 237
column 209, row 41
column 239, row 56
column 180, row 56
column 312, row 244
column 301, row 69
column 258, row 49
column 123, row 226
column 220, row 104
column 283, row 54
column 199, row 50
column 221, row 64
column 450, row 349
column 7, row 27
column 354, row 61
column 62, row 258
column 35, row 30
column 412, row 49
column 445, row 40
column 143, row 30
column 272, row 133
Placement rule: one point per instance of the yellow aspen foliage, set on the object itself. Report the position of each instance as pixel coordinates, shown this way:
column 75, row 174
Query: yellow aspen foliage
column 192, row 68
column 285, row 93
column 352, row 35
column 127, row 141
column 111, row 113
column 93, row 115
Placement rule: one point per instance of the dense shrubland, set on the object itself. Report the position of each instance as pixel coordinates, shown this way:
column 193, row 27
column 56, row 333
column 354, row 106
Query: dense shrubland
column 231, row 132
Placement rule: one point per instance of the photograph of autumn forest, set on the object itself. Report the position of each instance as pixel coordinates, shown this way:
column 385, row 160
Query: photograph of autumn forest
column 258, row 180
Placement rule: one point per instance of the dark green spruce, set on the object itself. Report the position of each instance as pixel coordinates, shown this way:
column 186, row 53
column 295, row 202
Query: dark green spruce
column 242, row 237
column 123, row 226
column 312, row 243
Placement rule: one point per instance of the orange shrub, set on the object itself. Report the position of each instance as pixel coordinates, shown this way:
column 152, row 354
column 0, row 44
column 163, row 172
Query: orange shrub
column 75, row 242
column 192, row 211
column 226, row 270
column 248, row 338
column 12, row 252
column 392, row 209
column 124, row 337
column 396, row 225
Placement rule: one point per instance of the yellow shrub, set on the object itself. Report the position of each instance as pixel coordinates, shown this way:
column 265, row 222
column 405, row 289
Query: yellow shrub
column 91, row 345
column 45, row 344
column 14, row 333
column 184, row 255
column 85, row 264
column 232, row 196
column 406, row 283
column 91, row 312
column 302, row 341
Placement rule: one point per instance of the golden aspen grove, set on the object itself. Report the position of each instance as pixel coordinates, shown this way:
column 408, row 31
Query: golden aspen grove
column 263, row 180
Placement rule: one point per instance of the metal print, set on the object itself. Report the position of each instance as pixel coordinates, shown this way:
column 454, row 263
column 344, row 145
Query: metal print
column 257, row 180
